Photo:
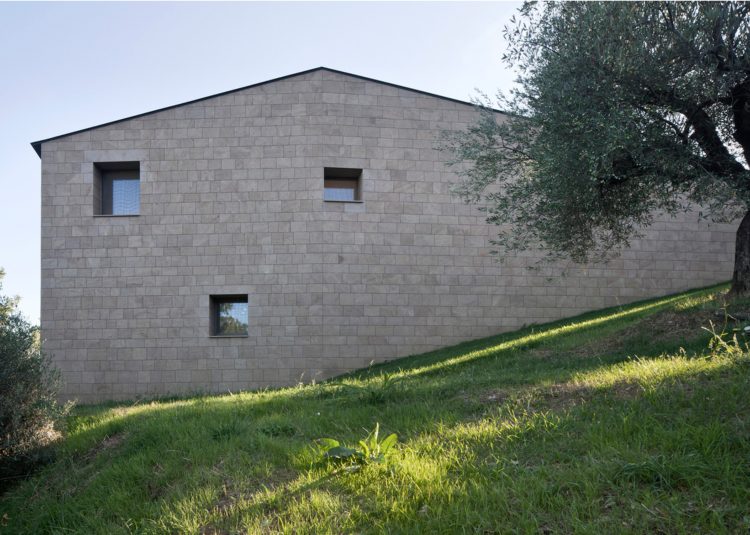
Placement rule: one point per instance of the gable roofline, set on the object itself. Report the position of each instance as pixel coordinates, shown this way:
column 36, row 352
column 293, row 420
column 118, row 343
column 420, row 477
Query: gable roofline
column 37, row 145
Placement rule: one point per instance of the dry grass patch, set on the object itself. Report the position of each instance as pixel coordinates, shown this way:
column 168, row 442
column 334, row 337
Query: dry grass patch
column 560, row 396
column 109, row 442
column 232, row 497
column 668, row 326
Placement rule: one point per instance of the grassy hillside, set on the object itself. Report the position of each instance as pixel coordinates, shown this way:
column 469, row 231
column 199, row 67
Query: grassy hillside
column 619, row 421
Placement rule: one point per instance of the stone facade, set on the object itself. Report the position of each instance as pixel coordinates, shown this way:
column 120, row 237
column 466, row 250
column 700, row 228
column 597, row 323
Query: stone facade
column 232, row 203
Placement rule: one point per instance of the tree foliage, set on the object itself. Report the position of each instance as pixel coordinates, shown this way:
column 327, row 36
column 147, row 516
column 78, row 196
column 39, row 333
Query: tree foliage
column 28, row 392
column 621, row 110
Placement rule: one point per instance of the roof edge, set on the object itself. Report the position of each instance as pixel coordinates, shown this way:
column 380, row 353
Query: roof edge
column 37, row 145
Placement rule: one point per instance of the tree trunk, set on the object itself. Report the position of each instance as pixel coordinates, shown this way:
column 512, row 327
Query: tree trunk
column 741, row 276
column 741, row 115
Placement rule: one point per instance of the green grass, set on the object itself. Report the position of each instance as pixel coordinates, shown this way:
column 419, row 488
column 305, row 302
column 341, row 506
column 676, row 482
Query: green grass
column 618, row 421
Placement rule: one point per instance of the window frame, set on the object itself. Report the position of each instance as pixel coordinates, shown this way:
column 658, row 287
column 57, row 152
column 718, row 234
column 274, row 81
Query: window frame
column 105, row 176
column 214, row 319
column 342, row 176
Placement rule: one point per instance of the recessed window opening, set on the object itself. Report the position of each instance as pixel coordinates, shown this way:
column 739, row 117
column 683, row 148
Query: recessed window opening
column 340, row 184
column 117, row 188
column 228, row 315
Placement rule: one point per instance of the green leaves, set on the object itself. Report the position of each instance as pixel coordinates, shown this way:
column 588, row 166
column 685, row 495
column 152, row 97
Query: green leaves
column 621, row 110
column 341, row 453
column 332, row 450
column 371, row 449
column 28, row 394
column 374, row 450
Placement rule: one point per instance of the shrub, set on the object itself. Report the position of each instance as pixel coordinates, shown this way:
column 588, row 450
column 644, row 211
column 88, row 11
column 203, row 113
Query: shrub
column 28, row 392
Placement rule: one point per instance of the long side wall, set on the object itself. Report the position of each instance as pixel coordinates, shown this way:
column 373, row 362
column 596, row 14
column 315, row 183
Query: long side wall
column 231, row 202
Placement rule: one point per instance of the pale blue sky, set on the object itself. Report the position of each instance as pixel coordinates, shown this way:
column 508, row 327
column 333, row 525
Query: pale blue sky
column 67, row 66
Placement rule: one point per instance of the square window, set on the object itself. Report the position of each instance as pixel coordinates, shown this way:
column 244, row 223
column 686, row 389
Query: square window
column 117, row 188
column 228, row 315
column 341, row 184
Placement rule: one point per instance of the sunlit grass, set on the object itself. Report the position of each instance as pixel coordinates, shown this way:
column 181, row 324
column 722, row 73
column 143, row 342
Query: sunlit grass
column 598, row 424
column 542, row 335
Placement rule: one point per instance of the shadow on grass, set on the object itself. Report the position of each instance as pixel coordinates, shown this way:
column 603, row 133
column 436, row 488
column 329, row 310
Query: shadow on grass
column 590, row 323
column 136, row 459
column 649, row 442
column 503, row 359
column 637, row 464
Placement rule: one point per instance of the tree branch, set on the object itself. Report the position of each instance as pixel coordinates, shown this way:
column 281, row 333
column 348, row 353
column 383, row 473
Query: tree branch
column 705, row 134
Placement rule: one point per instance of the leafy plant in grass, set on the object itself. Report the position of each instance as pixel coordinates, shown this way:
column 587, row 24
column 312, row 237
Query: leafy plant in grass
column 382, row 389
column 371, row 449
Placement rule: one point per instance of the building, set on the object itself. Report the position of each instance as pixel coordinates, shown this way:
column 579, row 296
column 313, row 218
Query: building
column 293, row 230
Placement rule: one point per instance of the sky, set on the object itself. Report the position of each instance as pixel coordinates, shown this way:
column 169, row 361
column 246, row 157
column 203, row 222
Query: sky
column 67, row 66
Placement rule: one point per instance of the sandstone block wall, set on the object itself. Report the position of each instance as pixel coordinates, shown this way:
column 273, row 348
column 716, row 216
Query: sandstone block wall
column 232, row 203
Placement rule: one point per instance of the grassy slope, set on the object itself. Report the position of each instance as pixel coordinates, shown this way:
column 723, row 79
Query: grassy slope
column 552, row 429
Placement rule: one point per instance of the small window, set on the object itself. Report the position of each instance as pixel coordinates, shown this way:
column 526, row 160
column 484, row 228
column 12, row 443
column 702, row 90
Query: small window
column 117, row 188
column 342, row 184
column 228, row 315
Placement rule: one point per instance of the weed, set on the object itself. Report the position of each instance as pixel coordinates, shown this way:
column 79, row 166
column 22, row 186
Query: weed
column 371, row 449
column 378, row 390
column 276, row 429
column 721, row 344
column 227, row 430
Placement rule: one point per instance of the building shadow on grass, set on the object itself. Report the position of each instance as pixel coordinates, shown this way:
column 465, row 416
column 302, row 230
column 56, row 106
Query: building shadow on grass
column 137, row 460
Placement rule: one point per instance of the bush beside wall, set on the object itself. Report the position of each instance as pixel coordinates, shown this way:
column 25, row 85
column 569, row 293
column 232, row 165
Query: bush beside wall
column 29, row 411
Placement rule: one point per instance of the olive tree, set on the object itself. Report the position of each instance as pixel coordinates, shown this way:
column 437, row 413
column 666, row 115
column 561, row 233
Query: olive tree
column 28, row 392
column 620, row 111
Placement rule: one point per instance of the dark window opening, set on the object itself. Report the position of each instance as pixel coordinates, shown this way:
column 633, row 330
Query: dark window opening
column 228, row 315
column 341, row 184
column 117, row 188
